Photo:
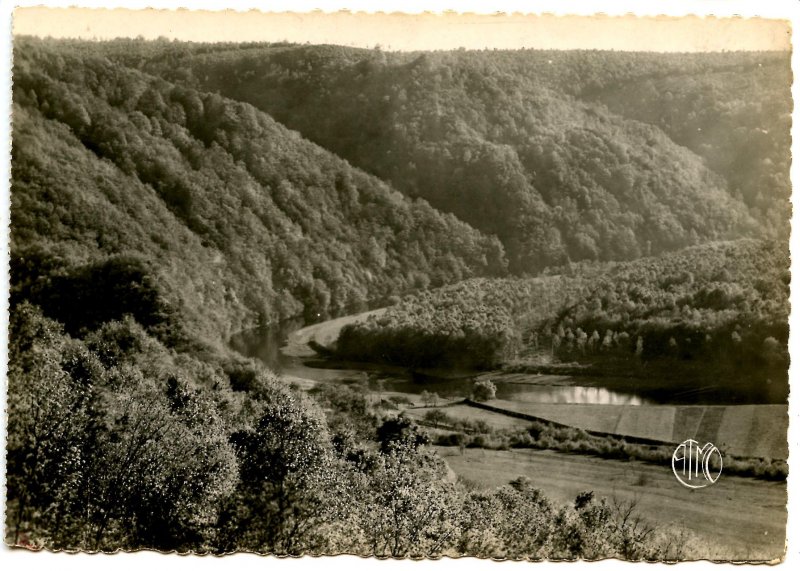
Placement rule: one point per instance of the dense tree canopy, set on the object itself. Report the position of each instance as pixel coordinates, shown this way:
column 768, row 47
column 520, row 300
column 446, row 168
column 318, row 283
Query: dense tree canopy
column 224, row 207
column 723, row 304
column 160, row 201
column 564, row 156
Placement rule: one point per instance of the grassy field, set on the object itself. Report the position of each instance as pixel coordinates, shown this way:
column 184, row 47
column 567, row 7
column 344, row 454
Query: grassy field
column 743, row 430
column 739, row 518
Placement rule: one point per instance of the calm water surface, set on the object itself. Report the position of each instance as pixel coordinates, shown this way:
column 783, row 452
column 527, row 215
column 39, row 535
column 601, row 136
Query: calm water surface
column 264, row 344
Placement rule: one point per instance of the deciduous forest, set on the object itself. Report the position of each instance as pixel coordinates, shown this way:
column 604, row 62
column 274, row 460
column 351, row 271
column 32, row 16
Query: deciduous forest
column 522, row 209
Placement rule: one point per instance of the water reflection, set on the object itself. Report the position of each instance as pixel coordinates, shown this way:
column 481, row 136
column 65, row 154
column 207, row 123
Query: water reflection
column 570, row 395
column 520, row 392
column 264, row 344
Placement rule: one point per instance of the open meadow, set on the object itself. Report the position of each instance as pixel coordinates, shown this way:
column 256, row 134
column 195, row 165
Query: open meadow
column 735, row 518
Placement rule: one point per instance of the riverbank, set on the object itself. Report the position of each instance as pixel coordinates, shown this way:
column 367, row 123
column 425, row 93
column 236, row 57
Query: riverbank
column 299, row 343
column 755, row 431
column 747, row 430
column 484, row 425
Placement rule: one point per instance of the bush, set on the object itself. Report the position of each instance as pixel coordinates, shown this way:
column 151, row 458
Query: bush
column 438, row 418
column 478, row 441
column 452, row 439
column 483, row 390
column 399, row 431
column 387, row 405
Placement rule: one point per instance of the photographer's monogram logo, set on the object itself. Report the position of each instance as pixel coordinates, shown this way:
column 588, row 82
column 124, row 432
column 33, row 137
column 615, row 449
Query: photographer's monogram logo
column 696, row 466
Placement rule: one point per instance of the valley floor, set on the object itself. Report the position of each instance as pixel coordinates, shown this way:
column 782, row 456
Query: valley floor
column 735, row 519
column 756, row 431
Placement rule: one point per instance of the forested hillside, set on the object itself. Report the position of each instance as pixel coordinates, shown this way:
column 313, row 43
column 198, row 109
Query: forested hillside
column 707, row 310
column 564, row 156
column 215, row 210
column 737, row 119
column 165, row 195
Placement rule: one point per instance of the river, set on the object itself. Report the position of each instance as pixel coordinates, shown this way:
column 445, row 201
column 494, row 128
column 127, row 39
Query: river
column 269, row 345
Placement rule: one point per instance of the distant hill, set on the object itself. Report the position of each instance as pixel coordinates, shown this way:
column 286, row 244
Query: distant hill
column 738, row 120
column 227, row 215
column 565, row 156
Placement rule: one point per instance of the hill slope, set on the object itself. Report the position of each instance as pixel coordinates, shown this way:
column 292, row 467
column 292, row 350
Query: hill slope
column 718, row 311
column 738, row 120
column 211, row 206
column 542, row 149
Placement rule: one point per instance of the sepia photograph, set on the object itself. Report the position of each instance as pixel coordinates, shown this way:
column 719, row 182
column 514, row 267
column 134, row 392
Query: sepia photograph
column 409, row 286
